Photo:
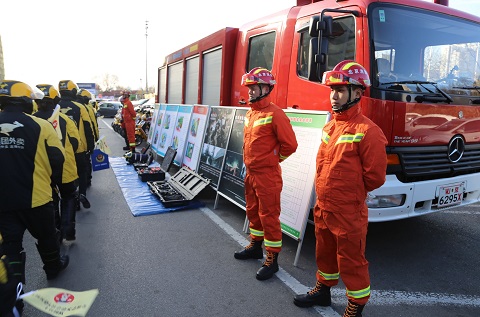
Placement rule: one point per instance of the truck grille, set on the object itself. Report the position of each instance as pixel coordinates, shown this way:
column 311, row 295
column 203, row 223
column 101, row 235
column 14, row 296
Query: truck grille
column 427, row 163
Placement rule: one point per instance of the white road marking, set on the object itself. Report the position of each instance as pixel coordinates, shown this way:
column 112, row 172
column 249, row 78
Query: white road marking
column 378, row 297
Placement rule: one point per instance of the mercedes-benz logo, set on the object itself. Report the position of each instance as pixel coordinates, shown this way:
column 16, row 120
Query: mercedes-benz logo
column 456, row 148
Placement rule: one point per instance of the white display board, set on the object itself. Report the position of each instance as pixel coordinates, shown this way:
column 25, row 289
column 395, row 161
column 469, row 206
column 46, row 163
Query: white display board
column 196, row 131
column 298, row 171
column 157, row 126
column 153, row 123
column 182, row 124
column 168, row 126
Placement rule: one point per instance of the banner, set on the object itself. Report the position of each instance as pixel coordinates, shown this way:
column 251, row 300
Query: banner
column 233, row 175
column 168, row 126
column 215, row 143
column 193, row 144
column 157, row 126
column 99, row 160
column 298, row 171
column 180, row 133
column 61, row 302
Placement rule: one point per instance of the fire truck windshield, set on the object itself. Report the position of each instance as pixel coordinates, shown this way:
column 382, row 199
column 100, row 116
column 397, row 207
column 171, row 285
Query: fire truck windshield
column 412, row 45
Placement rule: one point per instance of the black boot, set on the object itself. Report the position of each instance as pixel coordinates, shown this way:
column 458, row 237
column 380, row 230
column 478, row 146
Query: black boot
column 17, row 267
column 251, row 251
column 353, row 310
column 68, row 219
column 53, row 263
column 319, row 295
column 270, row 266
column 125, row 148
column 84, row 201
column 77, row 201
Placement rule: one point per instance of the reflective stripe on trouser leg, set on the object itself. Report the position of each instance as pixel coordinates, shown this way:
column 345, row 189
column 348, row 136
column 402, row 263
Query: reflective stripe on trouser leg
column 256, row 229
column 262, row 192
column 346, row 233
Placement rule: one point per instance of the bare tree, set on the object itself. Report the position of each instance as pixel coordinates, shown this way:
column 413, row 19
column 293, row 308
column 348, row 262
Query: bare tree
column 108, row 82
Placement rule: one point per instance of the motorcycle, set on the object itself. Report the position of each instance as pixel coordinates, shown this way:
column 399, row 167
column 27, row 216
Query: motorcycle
column 142, row 127
column 117, row 124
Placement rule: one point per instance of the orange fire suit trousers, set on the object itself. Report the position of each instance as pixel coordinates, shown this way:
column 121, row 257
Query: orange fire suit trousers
column 130, row 131
column 340, row 251
column 262, row 195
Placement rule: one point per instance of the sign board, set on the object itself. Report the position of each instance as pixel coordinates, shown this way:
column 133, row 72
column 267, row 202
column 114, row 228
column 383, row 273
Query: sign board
column 180, row 132
column 298, row 171
column 153, row 123
column 196, row 130
column 231, row 183
column 168, row 126
column 215, row 143
column 88, row 86
column 157, row 126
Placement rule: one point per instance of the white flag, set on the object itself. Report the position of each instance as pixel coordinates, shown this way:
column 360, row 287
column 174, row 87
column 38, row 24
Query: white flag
column 102, row 145
column 55, row 121
column 61, row 302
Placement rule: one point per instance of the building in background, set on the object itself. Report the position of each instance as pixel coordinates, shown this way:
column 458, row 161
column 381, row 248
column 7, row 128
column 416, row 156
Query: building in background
column 2, row 67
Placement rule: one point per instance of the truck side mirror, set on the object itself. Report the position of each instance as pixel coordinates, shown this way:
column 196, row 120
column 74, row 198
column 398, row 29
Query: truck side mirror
column 313, row 28
column 319, row 30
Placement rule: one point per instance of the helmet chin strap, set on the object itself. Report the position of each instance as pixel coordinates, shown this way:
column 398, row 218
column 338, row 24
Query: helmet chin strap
column 347, row 105
column 261, row 96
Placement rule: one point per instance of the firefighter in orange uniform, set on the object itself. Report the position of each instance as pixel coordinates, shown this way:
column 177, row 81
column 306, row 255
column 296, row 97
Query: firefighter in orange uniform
column 268, row 140
column 128, row 116
column 351, row 162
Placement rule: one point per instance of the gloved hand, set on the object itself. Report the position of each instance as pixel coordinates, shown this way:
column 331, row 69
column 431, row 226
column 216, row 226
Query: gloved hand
column 8, row 288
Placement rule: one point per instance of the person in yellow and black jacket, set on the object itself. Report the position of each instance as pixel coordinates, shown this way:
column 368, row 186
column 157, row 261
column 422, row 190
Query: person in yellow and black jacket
column 70, row 141
column 31, row 158
column 84, row 97
column 76, row 111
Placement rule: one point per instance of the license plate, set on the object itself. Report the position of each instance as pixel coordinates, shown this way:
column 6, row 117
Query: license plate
column 449, row 195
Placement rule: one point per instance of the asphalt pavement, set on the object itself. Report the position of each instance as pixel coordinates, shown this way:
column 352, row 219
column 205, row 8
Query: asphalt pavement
column 181, row 263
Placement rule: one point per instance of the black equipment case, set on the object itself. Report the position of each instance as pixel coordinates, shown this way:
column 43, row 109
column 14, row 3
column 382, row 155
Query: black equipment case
column 180, row 189
column 156, row 173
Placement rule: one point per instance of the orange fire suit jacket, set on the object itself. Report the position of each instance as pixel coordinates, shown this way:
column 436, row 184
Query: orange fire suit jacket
column 268, row 136
column 128, row 113
column 351, row 162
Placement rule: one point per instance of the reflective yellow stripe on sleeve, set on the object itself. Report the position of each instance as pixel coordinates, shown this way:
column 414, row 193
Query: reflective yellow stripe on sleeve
column 263, row 121
column 350, row 138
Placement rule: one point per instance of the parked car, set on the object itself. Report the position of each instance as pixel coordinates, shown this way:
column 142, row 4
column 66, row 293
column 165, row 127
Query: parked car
column 467, row 128
column 427, row 121
column 108, row 109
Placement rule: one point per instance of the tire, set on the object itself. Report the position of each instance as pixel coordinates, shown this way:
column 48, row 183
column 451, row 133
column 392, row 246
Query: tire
column 138, row 140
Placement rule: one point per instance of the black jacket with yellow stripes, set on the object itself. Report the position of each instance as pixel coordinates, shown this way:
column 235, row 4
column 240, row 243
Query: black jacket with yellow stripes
column 31, row 158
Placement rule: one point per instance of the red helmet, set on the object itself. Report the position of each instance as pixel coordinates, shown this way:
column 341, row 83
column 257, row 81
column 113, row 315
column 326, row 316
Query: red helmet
column 258, row 75
column 347, row 73
column 125, row 93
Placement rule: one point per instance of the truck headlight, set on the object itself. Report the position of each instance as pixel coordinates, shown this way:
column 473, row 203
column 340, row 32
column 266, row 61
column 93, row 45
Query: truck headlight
column 379, row 201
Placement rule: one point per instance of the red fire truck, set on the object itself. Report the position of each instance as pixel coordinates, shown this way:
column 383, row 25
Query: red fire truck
column 424, row 62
